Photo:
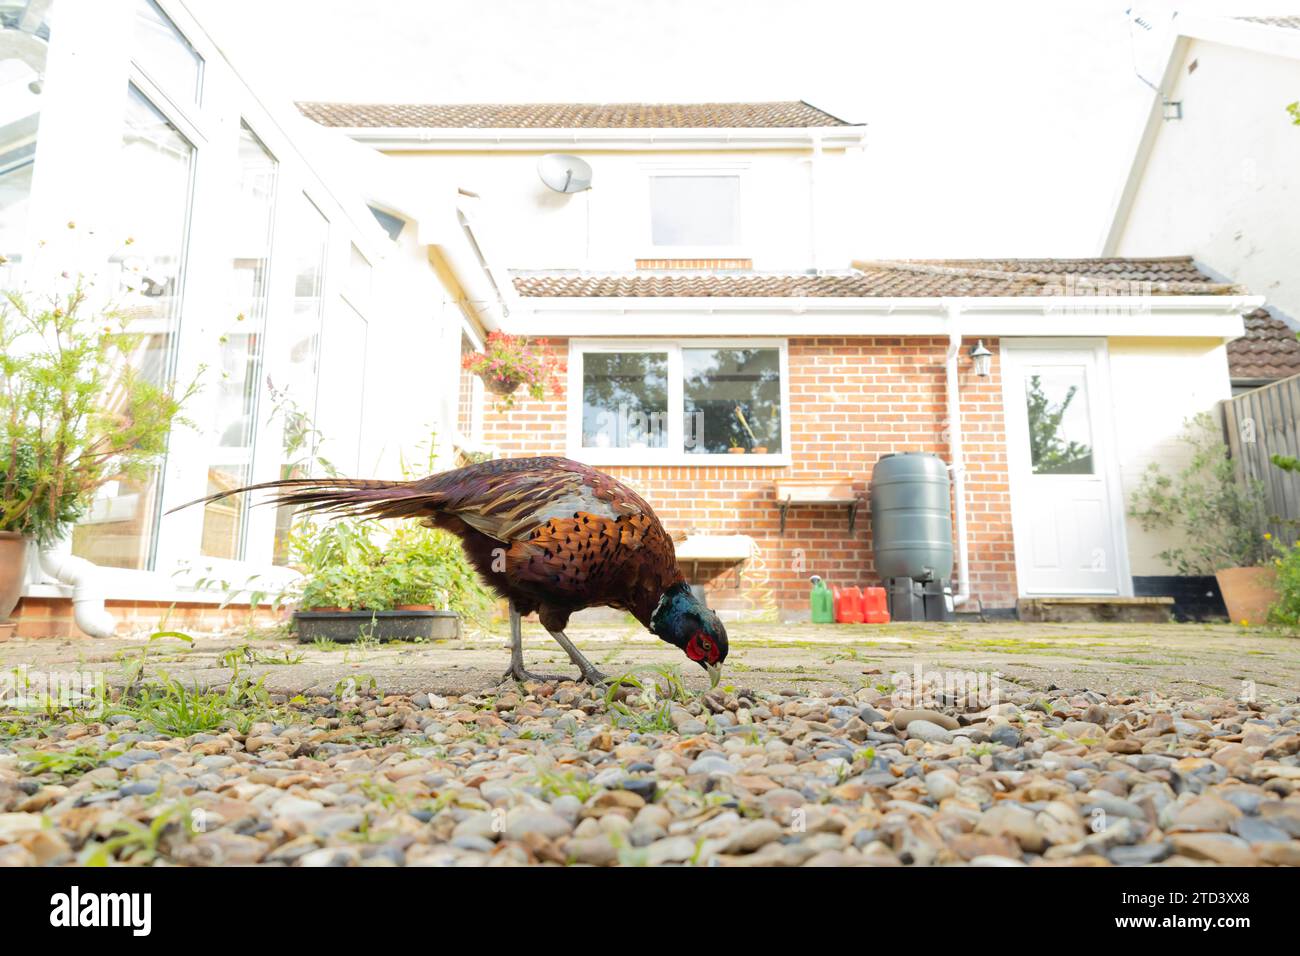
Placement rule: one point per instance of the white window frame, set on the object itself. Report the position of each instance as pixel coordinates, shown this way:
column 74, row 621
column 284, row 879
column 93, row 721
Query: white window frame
column 673, row 455
column 653, row 171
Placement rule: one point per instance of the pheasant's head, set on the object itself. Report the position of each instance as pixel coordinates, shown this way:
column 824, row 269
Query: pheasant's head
column 683, row 620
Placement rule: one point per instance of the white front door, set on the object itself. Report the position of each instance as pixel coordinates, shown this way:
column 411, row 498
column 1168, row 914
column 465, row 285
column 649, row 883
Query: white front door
column 1065, row 506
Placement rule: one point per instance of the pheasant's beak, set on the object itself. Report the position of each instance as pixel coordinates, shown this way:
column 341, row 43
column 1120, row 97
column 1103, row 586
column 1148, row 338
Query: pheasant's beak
column 715, row 674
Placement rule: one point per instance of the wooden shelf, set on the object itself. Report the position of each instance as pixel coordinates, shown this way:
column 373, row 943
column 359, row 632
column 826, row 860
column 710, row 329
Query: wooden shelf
column 834, row 490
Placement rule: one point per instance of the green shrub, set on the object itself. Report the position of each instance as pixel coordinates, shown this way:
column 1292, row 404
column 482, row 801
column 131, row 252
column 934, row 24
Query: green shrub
column 1287, row 609
column 1220, row 520
column 74, row 411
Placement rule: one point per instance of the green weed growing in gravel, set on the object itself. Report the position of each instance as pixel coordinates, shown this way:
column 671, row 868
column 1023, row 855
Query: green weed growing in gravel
column 65, row 762
column 555, row 783
column 657, row 694
column 139, row 843
column 180, row 711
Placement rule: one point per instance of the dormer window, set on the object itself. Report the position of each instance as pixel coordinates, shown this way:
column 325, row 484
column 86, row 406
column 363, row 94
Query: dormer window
column 695, row 211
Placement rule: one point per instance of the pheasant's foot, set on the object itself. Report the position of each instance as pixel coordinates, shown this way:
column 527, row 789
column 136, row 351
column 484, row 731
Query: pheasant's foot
column 517, row 671
column 594, row 677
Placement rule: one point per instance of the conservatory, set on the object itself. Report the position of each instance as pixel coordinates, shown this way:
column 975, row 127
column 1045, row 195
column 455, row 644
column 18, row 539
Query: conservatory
column 133, row 154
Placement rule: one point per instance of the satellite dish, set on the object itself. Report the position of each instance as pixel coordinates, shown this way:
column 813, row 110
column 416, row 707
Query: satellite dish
column 564, row 173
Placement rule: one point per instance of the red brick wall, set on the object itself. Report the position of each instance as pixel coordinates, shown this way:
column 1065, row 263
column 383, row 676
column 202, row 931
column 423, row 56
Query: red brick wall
column 852, row 400
column 52, row 617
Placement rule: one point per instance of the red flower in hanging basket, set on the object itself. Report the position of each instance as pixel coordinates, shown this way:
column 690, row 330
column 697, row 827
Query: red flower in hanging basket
column 511, row 361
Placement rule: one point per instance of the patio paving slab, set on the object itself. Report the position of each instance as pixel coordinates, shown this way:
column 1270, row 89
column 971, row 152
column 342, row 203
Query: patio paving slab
column 1189, row 660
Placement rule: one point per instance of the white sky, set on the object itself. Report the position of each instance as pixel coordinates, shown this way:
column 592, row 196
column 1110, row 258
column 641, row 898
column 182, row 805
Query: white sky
column 995, row 128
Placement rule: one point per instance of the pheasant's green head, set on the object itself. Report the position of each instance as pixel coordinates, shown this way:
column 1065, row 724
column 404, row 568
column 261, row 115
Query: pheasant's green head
column 684, row 621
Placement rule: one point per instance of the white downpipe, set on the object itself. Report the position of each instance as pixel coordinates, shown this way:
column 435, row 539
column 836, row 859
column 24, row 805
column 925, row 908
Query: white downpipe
column 814, row 164
column 957, row 464
column 88, row 589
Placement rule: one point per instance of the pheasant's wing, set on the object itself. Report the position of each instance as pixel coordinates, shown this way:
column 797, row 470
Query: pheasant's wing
column 508, row 498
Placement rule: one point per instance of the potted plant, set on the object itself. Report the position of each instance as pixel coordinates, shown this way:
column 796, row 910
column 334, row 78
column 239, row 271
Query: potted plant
column 1218, row 519
column 511, row 361
column 736, row 447
column 74, row 414
column 413, row 586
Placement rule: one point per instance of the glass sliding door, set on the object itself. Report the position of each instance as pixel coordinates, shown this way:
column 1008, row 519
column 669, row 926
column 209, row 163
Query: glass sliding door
column 342, row 388
column 238, row 363
column 164, row 53
column 295, row 396
column 154, row 175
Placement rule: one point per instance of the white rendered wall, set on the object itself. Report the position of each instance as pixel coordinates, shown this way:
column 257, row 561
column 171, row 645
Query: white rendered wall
column 608, row 227
column 1223, row 182
column 1156, row 385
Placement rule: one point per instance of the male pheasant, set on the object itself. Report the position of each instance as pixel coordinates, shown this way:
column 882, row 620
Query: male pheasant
column 550, row 535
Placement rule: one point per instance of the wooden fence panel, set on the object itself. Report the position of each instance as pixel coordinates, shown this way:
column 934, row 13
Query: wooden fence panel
column 1258, row 425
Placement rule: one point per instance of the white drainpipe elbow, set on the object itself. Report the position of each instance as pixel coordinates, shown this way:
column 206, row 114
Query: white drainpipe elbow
column 88, row 590
column 957, row 464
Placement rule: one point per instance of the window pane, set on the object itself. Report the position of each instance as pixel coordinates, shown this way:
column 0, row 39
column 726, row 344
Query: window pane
column 295, row 398
column 1060, row 433
column 239, row 359
column 732, row 400
column 695, row 210
column 24, row 41
column 343, row 366
column 624, row 399
column 153, row 180
column 163, row 52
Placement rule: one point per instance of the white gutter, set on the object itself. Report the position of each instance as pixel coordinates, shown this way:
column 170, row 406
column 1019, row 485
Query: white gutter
column 1215, row 317
column 425, row 139
column 88, row 588
column 957, row 464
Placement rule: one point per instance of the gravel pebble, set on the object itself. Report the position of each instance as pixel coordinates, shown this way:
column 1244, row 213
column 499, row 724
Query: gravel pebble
column 547, row 774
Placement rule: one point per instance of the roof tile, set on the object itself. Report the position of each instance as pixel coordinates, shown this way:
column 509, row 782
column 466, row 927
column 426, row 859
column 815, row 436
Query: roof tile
column 789, row 114
column 1290, row 22
column 902, row 278
column 1268, row 351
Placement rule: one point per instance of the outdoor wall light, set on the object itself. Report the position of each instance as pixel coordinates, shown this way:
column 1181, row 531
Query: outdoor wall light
column 983, row 359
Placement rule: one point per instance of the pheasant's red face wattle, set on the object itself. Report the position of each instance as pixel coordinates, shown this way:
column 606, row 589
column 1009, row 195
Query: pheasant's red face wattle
column 702, row 650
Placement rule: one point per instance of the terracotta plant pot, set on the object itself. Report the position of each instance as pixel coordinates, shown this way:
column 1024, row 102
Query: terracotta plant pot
column 735, row 451
column 13, row 569
column 413, row 607
column 760, row 450
column 1248, row 593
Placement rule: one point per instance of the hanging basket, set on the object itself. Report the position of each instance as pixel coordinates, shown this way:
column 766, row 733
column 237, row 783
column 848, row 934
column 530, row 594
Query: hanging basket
column 501, row 386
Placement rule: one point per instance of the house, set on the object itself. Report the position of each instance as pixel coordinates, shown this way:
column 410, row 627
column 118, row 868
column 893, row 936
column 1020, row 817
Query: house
column 721, row 338
column 258, row 255
column 1215, row 173
column 329, row 266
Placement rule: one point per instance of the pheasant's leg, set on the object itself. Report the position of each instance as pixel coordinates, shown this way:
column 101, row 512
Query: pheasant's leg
column 516, row 670
column 589, row 672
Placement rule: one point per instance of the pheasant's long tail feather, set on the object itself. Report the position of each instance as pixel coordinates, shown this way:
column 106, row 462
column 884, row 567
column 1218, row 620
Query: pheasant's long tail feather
column 354, row 497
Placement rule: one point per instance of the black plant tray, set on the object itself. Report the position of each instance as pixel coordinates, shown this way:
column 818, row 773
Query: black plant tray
column 346, row 626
